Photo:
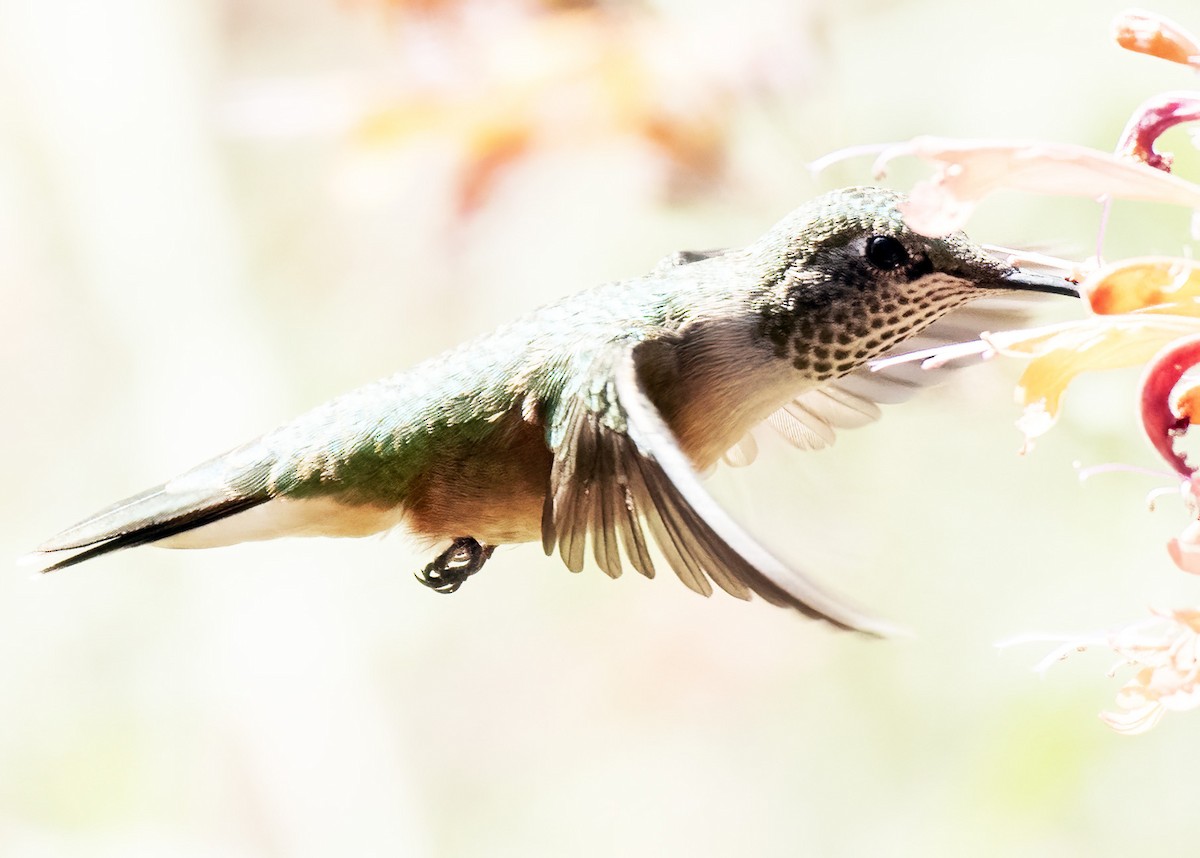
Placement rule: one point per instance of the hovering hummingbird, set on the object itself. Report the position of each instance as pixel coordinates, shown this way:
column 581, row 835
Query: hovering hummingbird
column 589, row 419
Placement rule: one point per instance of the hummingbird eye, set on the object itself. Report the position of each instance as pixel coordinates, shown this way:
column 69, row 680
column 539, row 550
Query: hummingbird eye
column 886, row 253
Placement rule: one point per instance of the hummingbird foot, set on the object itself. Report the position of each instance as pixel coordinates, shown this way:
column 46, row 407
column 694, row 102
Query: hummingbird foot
column 456, row 564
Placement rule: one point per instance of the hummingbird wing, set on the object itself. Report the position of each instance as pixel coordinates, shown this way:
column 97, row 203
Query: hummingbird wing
column 811, row 420
column 617, row 465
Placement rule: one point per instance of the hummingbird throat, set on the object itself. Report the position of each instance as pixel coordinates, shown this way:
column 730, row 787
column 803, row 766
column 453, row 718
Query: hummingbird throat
column 826, row 339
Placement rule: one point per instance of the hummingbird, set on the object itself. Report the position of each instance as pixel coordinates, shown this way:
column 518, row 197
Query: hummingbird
column 589, row 420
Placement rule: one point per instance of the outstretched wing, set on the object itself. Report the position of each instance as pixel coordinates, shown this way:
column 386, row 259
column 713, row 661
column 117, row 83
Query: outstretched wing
column 619, row 475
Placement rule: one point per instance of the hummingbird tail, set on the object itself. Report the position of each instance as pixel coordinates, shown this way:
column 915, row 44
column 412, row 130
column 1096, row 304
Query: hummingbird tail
column 153, row 515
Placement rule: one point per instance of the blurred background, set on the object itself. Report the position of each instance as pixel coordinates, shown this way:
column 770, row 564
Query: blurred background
column 214, row 215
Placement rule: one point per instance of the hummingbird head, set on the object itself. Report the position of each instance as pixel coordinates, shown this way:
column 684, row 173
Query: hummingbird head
column 849, row 279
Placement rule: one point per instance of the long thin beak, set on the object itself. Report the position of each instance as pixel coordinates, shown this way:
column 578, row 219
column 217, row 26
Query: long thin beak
column 1027, row 281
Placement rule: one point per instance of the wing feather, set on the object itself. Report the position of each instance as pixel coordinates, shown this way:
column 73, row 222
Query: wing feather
column 605, row 521
column 716, row 537
column 633, row 540
column 668, row 535
column 629, row 471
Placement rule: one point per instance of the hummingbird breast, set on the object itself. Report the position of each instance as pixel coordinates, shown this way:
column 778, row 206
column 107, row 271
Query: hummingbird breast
column 491, row 490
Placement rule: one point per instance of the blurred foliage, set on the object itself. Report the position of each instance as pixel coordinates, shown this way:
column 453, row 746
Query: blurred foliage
column 499, row 82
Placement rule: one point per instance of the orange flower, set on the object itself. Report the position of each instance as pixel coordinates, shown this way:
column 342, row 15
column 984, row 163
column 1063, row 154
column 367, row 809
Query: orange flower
column 1139, row 306
column 1150, row 284
column 1148, row 33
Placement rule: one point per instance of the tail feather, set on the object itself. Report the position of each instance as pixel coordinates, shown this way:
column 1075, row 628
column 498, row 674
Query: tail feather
column 141, row 533
column 210, row 492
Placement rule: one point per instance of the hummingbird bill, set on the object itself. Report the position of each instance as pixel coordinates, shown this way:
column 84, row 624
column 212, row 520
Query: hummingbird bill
column 585, row 424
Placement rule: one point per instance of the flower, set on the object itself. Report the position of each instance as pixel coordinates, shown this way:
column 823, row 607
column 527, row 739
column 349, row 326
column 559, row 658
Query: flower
column 1151, row 120
column 1184, row 550
column 969, row 170
column 1144, row 310
column 1138, row 307
column 1163, row 419
column 1148, row 33
column 1139, row 311
column 1165, row 652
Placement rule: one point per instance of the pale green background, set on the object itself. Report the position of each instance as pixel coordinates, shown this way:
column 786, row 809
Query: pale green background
column 168, row 290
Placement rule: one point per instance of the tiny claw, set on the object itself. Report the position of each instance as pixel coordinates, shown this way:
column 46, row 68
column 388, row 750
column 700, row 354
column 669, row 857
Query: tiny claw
column 456, row 564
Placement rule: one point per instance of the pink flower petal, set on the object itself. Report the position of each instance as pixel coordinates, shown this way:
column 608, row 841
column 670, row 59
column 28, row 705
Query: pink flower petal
column 937, row 208
column 1182, row 699
column 1137, row 721
column 972, row 169
column 1153, row 118
column 1185, row 551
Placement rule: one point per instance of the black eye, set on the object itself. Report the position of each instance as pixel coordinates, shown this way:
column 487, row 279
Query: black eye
column 886, row 253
